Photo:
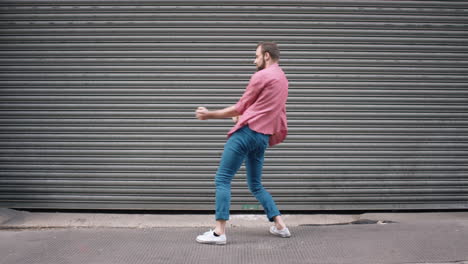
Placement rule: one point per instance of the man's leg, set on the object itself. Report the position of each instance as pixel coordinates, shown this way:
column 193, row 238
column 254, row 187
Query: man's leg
column 231, row 160
column 254, row 167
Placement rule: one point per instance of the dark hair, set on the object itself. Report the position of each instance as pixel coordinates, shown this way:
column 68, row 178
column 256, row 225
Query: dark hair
column 271, row 48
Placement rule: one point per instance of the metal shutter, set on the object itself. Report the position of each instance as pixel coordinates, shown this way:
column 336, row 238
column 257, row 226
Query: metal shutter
column 98, row 99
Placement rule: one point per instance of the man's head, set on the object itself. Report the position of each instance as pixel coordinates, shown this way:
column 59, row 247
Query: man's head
column 267, row 54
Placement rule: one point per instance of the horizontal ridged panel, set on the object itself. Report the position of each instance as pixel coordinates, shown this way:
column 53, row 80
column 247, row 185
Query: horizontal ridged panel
column 97, row 102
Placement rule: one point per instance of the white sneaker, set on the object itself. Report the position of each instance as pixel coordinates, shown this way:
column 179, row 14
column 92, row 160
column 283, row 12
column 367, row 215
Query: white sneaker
column 282, row 233
column 210, row 238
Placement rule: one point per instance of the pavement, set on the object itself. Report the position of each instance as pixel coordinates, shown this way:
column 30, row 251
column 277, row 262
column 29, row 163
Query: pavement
column 409, row 237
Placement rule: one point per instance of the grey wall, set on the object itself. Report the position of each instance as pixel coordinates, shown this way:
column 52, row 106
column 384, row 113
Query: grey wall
column 98, row 98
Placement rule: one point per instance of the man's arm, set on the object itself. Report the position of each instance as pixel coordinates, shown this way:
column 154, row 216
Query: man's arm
column 202, row 113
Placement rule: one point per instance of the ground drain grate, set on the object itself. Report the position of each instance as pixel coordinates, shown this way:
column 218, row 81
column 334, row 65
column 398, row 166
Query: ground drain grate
column 357, row 222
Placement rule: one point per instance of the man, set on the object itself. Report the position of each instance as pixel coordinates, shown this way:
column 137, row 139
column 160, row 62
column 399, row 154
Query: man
column 260, row 117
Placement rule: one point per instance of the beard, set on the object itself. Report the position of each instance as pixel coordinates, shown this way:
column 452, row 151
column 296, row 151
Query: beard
column 261, row 66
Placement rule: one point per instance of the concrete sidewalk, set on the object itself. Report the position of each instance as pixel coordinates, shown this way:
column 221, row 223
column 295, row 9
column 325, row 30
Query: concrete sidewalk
column 113, row 238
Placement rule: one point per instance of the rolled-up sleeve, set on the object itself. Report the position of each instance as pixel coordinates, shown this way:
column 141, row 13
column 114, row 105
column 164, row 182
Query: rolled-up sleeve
column 251, row 93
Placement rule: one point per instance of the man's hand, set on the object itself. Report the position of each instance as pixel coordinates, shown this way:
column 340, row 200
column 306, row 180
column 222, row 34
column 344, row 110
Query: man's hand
column 235, row 119
column 202, row 113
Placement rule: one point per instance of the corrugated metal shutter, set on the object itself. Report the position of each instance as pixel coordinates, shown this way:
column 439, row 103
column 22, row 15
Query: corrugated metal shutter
column 98, row 99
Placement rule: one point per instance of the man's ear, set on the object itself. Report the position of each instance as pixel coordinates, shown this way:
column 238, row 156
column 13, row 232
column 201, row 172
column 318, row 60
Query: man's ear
column 267, row 56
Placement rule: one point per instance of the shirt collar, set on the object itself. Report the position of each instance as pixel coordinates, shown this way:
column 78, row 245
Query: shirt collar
column 274, row 65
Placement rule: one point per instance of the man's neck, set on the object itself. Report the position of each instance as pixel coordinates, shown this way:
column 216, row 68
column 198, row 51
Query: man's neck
column 270, row 63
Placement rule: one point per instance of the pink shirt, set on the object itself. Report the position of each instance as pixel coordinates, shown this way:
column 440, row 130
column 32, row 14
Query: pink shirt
column 263, row 105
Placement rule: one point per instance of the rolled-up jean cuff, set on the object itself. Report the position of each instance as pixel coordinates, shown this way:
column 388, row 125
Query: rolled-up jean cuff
column 272, row 219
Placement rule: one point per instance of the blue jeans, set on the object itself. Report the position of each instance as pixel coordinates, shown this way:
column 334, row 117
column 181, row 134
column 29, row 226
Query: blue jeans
column 244, row 144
